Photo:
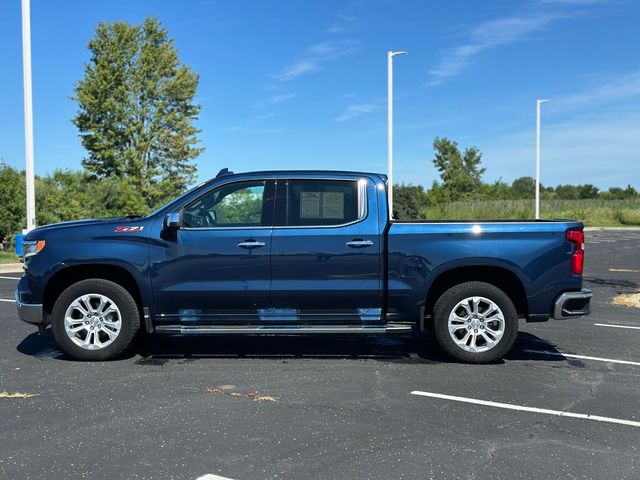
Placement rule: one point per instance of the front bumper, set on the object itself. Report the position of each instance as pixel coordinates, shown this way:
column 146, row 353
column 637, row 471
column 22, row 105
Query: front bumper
column 572, row 304
column 30, row 313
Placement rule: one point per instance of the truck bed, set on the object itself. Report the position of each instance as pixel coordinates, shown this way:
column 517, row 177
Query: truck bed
column 535, row 252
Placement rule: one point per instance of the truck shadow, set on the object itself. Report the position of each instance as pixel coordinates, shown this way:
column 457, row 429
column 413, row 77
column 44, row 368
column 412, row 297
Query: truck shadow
column 399, row 348
column 620, row 285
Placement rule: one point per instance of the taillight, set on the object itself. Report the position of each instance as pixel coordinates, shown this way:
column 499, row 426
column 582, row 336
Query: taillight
column 577, row 258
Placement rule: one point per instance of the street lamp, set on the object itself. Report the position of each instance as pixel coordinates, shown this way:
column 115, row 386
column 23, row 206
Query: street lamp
column 28, row 114
column 538, row 103
column 390, row 56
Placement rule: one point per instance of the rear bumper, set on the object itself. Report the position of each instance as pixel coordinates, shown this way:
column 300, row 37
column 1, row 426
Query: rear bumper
column 572, row 304
column 30, row 313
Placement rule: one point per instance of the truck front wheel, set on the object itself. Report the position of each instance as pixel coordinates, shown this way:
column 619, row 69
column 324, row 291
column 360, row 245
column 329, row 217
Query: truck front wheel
column 95, row 319
column 475, row 322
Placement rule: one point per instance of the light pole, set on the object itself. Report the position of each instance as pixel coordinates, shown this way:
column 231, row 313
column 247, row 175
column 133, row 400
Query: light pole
column 390, row 56
column 28, row 114
column 538, row 103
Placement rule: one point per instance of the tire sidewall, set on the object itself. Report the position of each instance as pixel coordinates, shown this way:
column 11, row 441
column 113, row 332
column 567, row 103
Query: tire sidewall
column 130, row 318
column 450, row 299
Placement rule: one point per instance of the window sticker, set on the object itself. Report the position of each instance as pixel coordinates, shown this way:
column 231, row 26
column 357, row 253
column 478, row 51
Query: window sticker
column 333, row 205
column 310, row 204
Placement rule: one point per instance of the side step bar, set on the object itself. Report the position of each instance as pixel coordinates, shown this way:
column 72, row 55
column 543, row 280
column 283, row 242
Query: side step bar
column 213, row 329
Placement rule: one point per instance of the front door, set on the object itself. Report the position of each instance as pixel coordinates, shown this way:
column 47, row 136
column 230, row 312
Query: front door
column 326, row 252
column 217, row 268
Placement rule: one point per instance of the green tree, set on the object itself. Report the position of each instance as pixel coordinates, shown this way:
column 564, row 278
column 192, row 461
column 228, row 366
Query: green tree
column 498, row 190
column 617, row 193
column 524, row 187
column 136, row 110
column 588, row 191
column 567, row 192
column 12, row 201
column 116, row 197
column 63, row 195
column 437, row 194
column 409, row 202
column 460, row 172
column 241, row 206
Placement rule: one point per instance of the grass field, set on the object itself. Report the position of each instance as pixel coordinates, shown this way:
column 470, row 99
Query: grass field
column 8, row 257
column 597, row 213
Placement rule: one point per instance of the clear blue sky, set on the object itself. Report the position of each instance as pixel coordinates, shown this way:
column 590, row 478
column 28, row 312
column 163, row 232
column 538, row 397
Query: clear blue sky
column 302, row 84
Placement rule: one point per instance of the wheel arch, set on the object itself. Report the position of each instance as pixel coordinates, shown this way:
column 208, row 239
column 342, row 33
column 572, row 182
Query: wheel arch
column 499, row 276
column 67, row 276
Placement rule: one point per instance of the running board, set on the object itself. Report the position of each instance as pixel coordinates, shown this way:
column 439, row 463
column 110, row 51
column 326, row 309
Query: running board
column 213, row 329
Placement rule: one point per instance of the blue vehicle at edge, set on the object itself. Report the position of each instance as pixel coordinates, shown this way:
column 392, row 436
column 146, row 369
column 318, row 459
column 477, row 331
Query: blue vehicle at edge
column 286, row 252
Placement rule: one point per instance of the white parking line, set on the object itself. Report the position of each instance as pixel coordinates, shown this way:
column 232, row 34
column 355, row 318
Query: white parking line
column 545, row 411
column 10, row 278
column 7, row 300
column 616, row 326
column 211, row 476
column 583, row 357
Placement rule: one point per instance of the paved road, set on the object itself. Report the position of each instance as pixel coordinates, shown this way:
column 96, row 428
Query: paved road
column 343, row 409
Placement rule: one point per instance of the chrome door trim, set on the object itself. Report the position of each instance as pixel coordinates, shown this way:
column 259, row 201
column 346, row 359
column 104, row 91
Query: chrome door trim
column 251, row 244
column 363, row 207
column 359, row 243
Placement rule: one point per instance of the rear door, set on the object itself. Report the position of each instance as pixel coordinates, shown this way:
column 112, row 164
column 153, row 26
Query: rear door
column 326, row 252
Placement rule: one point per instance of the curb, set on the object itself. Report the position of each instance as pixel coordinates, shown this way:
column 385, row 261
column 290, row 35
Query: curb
column 604, row 229
column 11, row 268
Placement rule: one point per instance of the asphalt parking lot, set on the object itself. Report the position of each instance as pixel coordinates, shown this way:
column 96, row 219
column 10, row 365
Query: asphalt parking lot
column 336, row 407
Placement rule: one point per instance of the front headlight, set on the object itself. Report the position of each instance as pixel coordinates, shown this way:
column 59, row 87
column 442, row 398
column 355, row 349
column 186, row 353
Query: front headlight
column 32, row 247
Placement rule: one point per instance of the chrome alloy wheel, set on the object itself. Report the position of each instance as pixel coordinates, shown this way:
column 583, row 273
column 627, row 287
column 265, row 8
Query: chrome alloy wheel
column 476, row 324
column 92, row 321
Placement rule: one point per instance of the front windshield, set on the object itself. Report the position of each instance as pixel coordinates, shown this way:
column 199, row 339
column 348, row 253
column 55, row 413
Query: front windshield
column 177, row 199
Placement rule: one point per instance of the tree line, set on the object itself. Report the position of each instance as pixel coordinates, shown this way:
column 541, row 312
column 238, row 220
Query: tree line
column 461, row 180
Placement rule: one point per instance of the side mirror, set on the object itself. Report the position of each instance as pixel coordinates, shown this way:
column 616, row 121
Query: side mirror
column 172, row 221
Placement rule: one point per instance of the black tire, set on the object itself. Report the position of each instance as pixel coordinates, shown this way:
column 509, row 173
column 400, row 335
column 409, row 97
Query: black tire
column 445, row 305
column 129, row 312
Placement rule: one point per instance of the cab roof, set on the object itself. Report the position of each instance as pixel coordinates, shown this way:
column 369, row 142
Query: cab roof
column 225, row 172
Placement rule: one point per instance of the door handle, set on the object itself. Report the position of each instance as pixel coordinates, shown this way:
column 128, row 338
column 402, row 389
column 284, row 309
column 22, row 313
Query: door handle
column 359, row 243
column 251, row 244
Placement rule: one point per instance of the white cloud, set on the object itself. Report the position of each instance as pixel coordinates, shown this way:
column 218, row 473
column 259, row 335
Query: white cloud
column 315, row 58
column 297, row 69
column 253, row 125
column 506, row 30
column 603, row 150
column 576, row 3
column 353, row 111
column 611, row 89
column 253, row 130
column 344, row 24
column 485, row 36
column 275, row 99
column 580, row 143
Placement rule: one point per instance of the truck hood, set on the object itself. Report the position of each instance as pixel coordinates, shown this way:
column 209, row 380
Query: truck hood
column 34, row 234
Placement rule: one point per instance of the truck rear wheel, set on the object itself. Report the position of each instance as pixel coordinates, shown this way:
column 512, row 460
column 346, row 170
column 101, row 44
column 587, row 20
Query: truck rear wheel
column 95, row 319
column 475, row 322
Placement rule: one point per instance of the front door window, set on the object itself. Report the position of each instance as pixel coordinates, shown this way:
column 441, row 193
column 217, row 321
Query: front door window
column 232, row 205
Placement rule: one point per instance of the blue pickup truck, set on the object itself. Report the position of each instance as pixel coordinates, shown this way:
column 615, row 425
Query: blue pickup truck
column 293, row 252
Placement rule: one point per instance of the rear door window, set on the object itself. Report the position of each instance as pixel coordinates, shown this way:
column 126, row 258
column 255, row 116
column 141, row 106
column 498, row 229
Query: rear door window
column 321, row 202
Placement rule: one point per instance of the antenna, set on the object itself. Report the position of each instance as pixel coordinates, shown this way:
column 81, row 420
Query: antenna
column 224, row 172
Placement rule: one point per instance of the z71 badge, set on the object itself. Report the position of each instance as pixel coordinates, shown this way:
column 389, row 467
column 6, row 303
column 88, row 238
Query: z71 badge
column 135, row 228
